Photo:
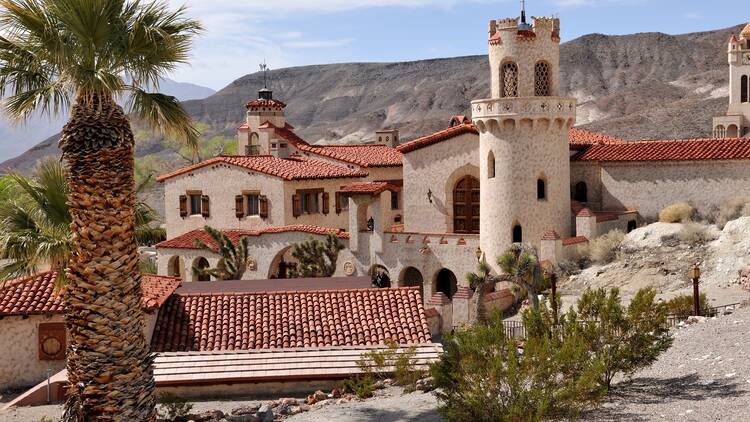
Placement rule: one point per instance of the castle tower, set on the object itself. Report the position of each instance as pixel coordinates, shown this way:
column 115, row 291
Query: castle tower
column 523, row 137
column 736, row 122
column 257, row 135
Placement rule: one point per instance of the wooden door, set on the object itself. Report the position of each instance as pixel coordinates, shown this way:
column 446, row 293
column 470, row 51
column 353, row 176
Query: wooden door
column 466, row 206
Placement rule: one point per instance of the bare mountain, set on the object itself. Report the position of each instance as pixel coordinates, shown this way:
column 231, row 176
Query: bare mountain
column 647, row 85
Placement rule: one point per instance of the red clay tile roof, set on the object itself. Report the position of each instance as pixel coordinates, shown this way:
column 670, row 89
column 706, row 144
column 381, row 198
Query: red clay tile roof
column 670, row 150
column 243, row 126
column 187, row 240
column 495, row 39
column 458, row 119
column 436, row 137
column 585, row 212
column 602, row 216
column 550, row 235
column 584, row 138
column 574, row 240
column 265, row 103
column 373, row 188
column 361, row 155
column 439, row 299
column 295, row 168
column 36, row 295
column 272, row 320
column 746, row 31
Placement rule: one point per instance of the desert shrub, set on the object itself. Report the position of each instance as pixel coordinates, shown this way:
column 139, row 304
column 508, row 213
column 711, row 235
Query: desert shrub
column 603, row 249
column 729, row 210
column 481, row 375
column 682, row 306
column 362, row 386
column 173, row 407
column 622, row 339
column 694, row 233
column 392, row 361
column 677, row 213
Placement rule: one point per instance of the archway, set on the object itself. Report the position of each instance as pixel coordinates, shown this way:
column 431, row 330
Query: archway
column 380, row 277
column 733, row 131
column 412, row 277
column 517, row 234
column 283, row 264
column 174, row 267
column 201, row 264
column 466, row 205
column 581, row 192
column 446, row 282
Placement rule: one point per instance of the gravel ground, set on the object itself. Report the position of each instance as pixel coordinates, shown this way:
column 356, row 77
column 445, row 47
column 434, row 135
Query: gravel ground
column 705, row 376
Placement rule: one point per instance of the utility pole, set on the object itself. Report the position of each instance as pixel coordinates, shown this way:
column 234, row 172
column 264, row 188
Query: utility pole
column 695, row 274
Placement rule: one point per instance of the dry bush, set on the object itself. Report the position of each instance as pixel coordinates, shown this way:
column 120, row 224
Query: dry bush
column 729, row 210
column 603, row 249
column 680, row 212
column 694, row 233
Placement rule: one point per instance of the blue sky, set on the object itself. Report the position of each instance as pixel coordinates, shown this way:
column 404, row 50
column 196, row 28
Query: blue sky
column 241, row 33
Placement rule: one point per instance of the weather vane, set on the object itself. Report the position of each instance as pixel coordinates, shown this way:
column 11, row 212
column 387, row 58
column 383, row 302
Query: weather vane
column 264, row 69
column 523, row 25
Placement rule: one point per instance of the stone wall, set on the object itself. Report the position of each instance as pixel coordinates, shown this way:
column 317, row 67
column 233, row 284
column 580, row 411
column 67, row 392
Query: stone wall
column 649, row 187
column 437, row 168
column 19, row 352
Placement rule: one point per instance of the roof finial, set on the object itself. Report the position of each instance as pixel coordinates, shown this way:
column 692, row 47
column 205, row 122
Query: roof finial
column 264, row 69
column 523, row 25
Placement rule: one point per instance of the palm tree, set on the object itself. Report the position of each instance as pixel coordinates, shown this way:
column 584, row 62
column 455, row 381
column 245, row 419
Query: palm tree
column 234, row 260
column 87, row 54
column 521, row 264
column 35, row 223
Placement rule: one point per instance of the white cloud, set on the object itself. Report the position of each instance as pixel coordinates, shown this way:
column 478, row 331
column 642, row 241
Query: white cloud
column 319, row 43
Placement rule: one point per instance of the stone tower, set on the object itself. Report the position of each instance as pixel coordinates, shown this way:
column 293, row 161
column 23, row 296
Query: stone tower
column 256, row 135
column 736, row 123
column 523, row 137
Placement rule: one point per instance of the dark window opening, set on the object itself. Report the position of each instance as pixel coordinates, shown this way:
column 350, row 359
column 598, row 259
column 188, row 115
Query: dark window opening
column 491, row 165
column 632, row 225
column 541, row 189
column 580, row 193
column 195, row 204
column 202, row 264
column 744, row 92
column 517, row 234
column 394, row 201
column 447, row 283
column 253, row 204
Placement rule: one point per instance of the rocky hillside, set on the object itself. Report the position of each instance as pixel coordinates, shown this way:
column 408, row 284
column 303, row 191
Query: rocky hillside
column 648, row 85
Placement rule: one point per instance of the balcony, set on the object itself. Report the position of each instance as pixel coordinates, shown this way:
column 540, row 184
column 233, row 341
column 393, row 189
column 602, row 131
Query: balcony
column 531, row 107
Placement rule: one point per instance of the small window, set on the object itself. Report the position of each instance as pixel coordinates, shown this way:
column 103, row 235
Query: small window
column 542, row 79
column 398, row 219
column 541, row 190
column 283, row 145
column 491, row 166
column 744, row 91
column 394, row 201
column 509, row 80
column 273, row 145
column 632, row 225
column 580, row 193
column 252, row 202
column 310, row 202
column 517, row 234
column 195, row 204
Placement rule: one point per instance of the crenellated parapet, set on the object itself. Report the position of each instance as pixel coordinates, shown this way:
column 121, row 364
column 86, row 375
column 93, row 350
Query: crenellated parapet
column 543, row 113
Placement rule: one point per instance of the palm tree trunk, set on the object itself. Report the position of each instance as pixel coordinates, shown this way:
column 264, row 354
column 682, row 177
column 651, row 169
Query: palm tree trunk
column 109, row 362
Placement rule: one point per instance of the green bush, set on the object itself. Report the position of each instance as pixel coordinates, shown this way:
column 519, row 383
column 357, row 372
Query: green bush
column 682, row 306
column 622, row 339
column 603, row 249
column 680, row 212
column 362, row 386
column 173, row 407
column 481, row 376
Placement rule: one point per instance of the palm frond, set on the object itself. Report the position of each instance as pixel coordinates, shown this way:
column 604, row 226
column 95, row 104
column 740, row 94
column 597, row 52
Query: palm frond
column 165, row 113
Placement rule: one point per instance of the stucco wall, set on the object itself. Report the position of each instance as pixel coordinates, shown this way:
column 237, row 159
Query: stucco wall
column 19, row 352
column 437, row 168
column 589, row 173
column 649, row 187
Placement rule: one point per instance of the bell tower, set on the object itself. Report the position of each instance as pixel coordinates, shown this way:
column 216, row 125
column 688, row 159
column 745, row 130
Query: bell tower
column 263, row 115
column 523, row 137
column 736, row 122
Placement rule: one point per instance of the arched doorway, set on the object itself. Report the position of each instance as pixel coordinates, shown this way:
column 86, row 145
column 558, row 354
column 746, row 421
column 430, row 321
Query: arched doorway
column 446, row 283
column 174, row 267
column 581, row 192
column 466, row 205
column 380, row 276
column 283, row 264
column 517, row 234
column 733, row 131
column 201, row 264
column 412, row 277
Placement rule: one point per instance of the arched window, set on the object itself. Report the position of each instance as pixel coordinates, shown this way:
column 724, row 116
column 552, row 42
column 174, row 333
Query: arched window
column 412, row 277
column 466, row 205
column 517, row 234
column 446, row 283
column 253, row 148
column 733, row 131
column 581, row 192
column 175, row 267
column 509, row 80
column 541, row 189
column 542, row 82
column 744, row 91
column 491, row 166
column 201, row 264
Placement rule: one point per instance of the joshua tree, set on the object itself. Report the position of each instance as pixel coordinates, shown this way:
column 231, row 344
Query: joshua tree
column 234, row 258
column 35, row 223
column 85, row 54
column 521, row 264
column 478, row 282
column 316, row 258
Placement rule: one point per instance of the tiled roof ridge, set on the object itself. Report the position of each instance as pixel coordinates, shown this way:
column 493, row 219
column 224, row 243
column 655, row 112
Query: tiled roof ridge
column 187, row 239
column 300, row 292
column 436, row 137
column 328, row 150
column 695, row 149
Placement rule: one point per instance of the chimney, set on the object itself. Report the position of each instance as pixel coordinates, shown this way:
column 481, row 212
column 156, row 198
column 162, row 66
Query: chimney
column 387, row 137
